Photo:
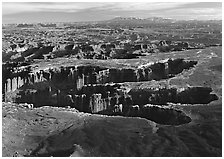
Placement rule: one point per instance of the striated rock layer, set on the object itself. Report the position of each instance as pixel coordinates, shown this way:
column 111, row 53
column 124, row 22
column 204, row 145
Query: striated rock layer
column 75, row 77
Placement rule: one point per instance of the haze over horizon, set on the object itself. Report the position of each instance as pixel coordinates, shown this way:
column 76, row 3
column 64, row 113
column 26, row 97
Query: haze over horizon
column 34, row 12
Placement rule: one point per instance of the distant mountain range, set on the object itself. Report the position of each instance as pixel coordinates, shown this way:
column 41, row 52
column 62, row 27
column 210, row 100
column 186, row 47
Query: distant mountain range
column 152, row 20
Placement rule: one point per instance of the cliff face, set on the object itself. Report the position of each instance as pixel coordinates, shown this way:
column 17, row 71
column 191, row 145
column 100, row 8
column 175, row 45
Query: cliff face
column 93, row 89
column 77, row 76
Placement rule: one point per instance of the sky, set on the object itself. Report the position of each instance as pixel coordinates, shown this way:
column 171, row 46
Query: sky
column 35, row 12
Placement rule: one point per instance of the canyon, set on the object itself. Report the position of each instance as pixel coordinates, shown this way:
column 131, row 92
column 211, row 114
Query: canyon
column 100, row 90
column 162, row 105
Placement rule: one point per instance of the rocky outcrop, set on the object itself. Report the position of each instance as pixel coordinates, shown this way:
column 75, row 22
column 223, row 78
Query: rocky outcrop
column 29, row 51
column 91, row 50
column 123, row 104
column 159, row 114
column 97, row 104
column 165, row 69
column 165, row 116
column 178, row 65
column 189, row 95
column 196, row 95
column 40, row 52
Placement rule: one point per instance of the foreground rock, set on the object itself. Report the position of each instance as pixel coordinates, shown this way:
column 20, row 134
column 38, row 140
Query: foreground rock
column 51, row 131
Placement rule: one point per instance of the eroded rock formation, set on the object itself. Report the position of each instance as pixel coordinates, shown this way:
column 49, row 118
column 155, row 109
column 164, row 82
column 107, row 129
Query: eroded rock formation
column 95, row 89
column 74, row 78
